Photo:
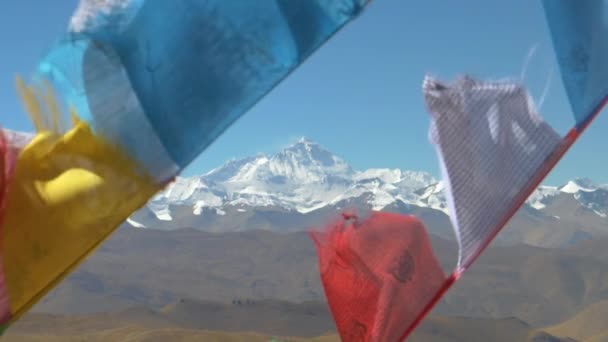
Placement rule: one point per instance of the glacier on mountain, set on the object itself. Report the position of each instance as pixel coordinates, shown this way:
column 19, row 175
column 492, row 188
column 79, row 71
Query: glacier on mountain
column 302, row 177
column 305, row 177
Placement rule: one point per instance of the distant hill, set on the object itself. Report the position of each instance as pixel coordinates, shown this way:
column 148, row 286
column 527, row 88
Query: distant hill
column 587, row 325
column 143, row 267
column 254, row 321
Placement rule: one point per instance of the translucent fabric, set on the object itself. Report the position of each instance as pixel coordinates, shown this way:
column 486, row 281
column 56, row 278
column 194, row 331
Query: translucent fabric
column 491, row 144
column 579, row 30
column 176, row 75
column 133, row 93
column 7, row 163
column 67, row 194
column 379, row 274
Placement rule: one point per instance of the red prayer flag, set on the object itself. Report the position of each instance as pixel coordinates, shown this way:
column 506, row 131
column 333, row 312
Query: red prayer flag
column 379, row 274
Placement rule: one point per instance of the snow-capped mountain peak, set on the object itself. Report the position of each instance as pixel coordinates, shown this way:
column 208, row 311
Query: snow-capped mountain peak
column 307, row 161
column 577, row 185
column 586, row 192
column 305, row 176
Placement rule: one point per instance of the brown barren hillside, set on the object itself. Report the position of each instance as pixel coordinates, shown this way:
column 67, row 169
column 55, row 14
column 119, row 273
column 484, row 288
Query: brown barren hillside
column 132, row 287
column 591, row 324
column 139, row 267
column 195, row 322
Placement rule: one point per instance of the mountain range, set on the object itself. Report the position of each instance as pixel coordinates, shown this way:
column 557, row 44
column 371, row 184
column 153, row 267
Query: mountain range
column 305, row 184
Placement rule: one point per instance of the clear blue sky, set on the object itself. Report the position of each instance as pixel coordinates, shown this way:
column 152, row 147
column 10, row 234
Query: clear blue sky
column 360, row 95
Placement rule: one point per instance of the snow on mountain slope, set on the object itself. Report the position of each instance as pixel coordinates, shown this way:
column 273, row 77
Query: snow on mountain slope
column 573, row 187
column 135, row 223
column 433, row 196
column 594, row 197
column 302, row 177
column 538, row 199
column 305, row 177
column 588, row 195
